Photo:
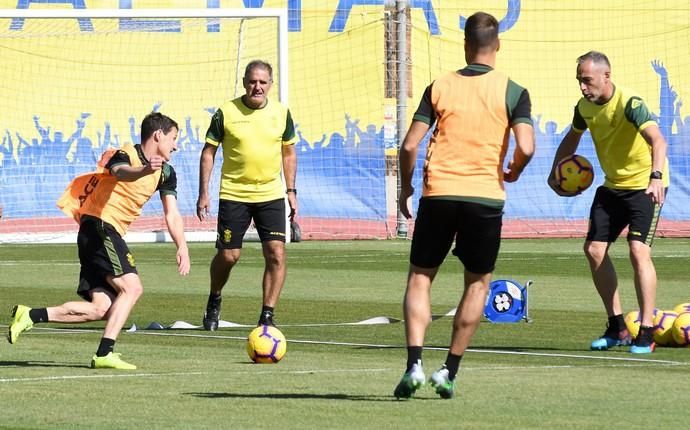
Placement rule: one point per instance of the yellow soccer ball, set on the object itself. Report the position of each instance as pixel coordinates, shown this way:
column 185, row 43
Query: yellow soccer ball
column 574, row 173
column 266, row 344
column 681, row 308
column 681, row 329
column 663, row 323
column 632, row 322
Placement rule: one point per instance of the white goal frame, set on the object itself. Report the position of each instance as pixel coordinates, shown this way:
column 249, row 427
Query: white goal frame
column 161, row 236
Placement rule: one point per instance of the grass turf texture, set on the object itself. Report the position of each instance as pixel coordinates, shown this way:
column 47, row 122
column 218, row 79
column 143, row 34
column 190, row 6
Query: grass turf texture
column 524, row 376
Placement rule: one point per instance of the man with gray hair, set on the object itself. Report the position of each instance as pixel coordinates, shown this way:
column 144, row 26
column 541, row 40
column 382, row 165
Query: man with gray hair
column 258, row 136
column 632, row 153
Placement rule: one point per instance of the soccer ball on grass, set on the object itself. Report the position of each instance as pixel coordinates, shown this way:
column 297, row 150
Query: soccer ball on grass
column 681, row 330
column 574, row 173
column 266, row 344
column 632, row 322
column 663, row 323
column 681, row 308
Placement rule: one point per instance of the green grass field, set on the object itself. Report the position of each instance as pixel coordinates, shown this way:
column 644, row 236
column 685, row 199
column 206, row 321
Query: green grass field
column 336, row 375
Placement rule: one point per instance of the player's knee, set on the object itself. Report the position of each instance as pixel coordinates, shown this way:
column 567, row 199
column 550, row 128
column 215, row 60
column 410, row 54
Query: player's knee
column 137, row 290
column 274, row 254
column 593, row 252
column 274, row 258
column 228, row 257
column 99, row 311
column 639, row 253
column 133, row 290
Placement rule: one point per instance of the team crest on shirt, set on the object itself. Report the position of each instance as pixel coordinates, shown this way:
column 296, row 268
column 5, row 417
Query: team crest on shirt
column 130, row 259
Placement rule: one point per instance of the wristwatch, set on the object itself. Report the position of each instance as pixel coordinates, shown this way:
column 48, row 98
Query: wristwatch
column 656, row 175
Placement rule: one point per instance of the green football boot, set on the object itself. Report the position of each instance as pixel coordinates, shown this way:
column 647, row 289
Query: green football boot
column 444, row 386
column 410, row 382
column 20, row 322
column 111, row 361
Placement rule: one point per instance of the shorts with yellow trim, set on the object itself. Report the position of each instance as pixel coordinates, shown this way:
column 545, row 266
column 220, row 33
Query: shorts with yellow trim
column 102, row 252
column 235, row 217
column 613, row 210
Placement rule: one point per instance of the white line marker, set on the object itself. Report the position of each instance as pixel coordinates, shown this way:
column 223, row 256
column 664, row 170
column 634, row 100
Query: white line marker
column 70, row 377
column 382, row 346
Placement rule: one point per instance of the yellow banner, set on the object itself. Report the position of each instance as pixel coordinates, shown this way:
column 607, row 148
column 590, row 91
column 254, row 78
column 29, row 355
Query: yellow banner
column 98, row 80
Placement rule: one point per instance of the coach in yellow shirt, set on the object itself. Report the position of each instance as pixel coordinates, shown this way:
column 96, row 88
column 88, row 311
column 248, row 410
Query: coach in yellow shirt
column 258, row 136
column 632, row 154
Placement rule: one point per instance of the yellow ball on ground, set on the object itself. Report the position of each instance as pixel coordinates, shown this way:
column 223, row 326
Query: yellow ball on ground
column 663, row 323
column 632, row 322
column 681, row 330
column 681, row 308
column 266, row 344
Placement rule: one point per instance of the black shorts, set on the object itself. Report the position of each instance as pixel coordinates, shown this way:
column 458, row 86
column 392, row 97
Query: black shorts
column 234, row 219
column 102, row 252
column 613, row 210
column 476, row 229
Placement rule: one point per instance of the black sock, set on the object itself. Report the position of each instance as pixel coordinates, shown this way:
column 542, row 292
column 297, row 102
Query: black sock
column 452, row 364
column 105, row 347
column 213, row 300
column 266, row 316
column 414, row 355
column 617, row 323
column 39, row 315
column 645, row 336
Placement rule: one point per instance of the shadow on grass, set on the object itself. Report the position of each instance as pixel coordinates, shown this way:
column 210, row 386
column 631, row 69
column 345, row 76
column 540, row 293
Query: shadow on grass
column 297, row 396
column 31, row 363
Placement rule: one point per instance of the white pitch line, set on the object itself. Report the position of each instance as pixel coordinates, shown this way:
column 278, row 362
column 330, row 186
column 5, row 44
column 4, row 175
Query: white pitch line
column 294, row 372
column 548, row 366
column 486, row 351
column 9, row 263
column 489, row 351
column 382, row 346
column 150, row 375
column 68, row 377
column 544, row 354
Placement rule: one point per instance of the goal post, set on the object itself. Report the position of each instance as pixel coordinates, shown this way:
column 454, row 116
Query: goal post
column 78, row 81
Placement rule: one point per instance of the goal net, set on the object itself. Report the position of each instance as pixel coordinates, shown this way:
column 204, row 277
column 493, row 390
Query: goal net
column 646, row 43
column 76, row 82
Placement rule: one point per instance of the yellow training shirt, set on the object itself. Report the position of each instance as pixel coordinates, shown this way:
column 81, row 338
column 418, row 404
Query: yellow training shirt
column 624, row 155
column 252, row 141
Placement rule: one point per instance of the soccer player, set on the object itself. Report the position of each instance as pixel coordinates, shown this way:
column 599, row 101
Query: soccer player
column 463, row 194
column 632, row 154
column 105, row 203
column 258, row 139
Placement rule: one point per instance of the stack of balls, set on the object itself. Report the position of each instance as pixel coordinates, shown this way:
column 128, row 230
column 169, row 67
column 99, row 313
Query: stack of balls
column 671, row 328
